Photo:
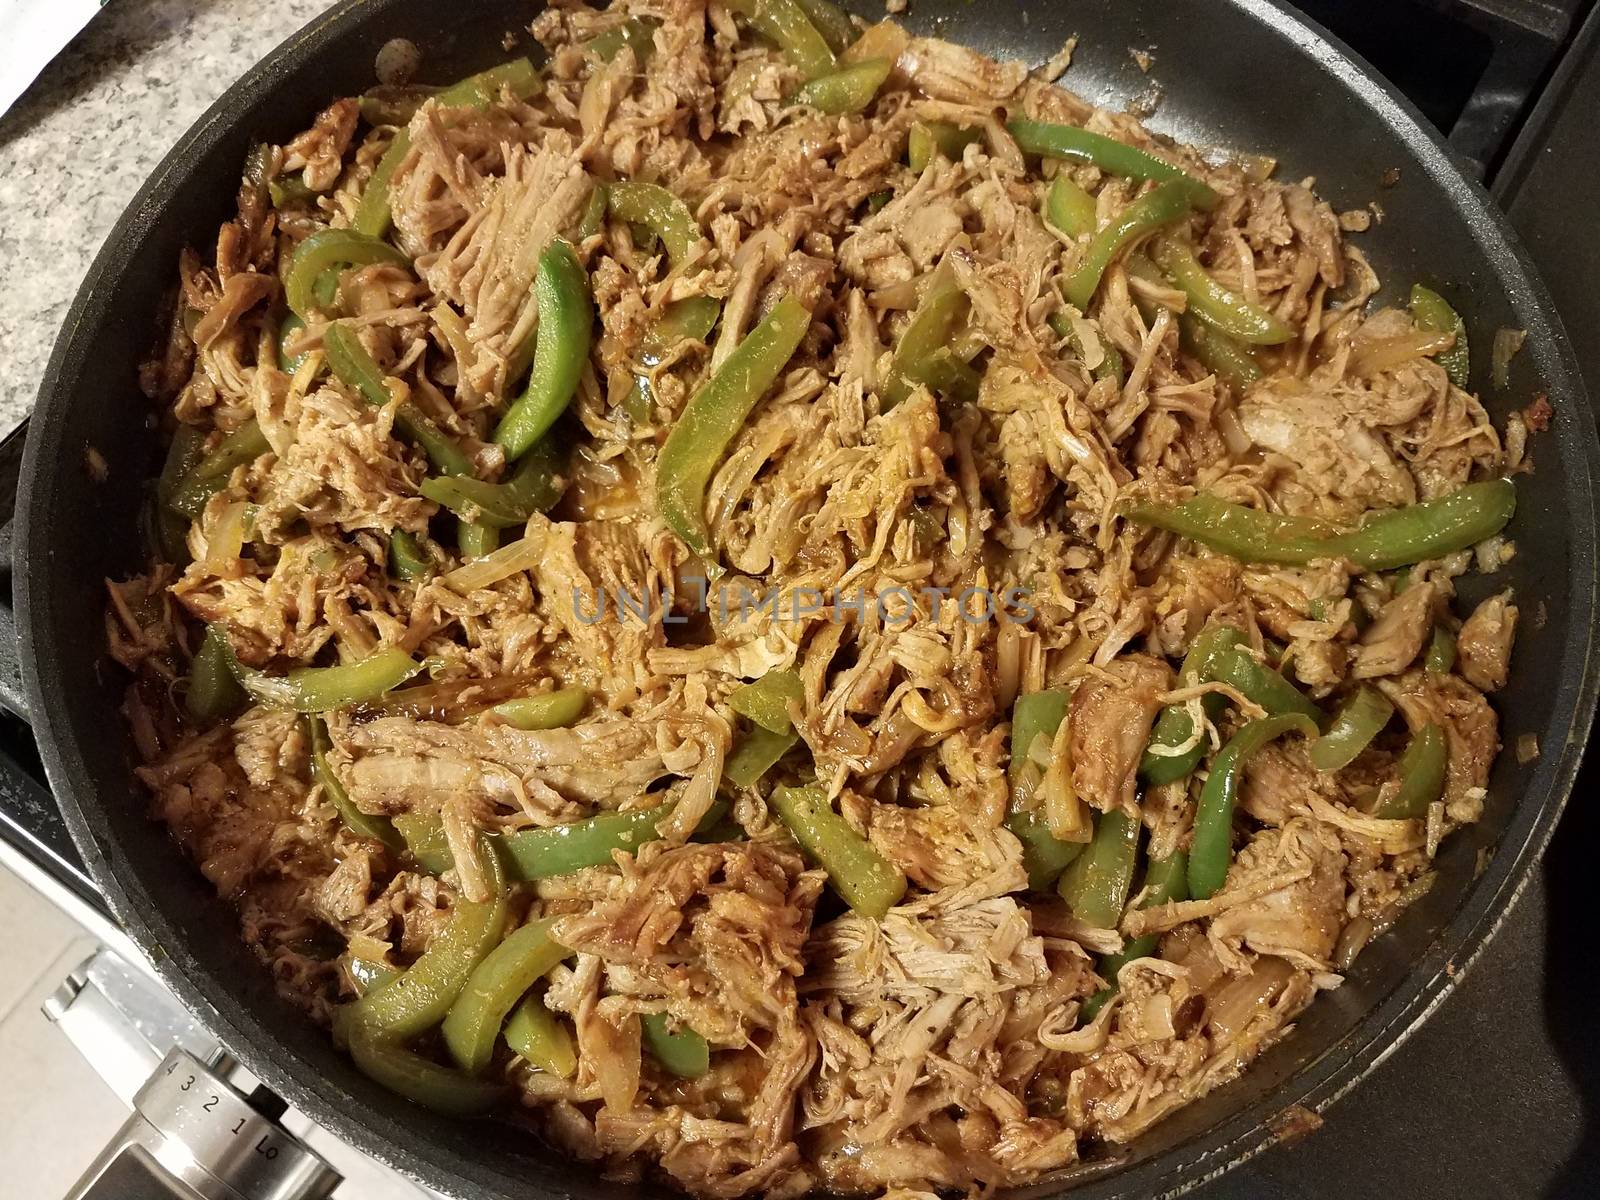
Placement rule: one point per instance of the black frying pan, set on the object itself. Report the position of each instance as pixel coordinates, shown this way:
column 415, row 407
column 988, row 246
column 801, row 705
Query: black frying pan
column 1241, row 73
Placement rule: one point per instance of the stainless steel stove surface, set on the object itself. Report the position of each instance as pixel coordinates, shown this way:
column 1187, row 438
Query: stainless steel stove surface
column 1492, row 1097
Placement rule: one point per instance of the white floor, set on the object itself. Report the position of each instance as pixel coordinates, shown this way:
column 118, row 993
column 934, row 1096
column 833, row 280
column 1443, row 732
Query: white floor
column 55, row 1113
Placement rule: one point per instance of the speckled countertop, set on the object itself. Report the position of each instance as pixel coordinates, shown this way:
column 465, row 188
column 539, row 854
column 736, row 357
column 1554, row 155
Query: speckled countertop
column 77, row 145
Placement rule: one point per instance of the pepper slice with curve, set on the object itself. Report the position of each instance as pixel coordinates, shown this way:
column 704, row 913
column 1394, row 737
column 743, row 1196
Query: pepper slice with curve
column 534, row 854
column 407, row 560
column 1044, row 856
column 1037, row 715
column 756, row 752
column 832, row 22
column 210, row 475
column 1230, row 360
column 422, row 994
column 1165, row 882
column 213, row 692
column 1441, row 654
column 785, row 22
column 405, row 1072
column 1110, row 365
column 846, row 90
column 683, row 1052
column 1432, row 312
column 927, row 335
column 1422, row 776
column 565, row 331
column 1215, row 304
column 1257, row 682
column 331, row 249
column 472, row 1026
column 1361, row 719
column 928, row 138
column 869, row 883
column 549, row 710
column 767, row 700
column 1069, row 208
column 355, row 368
column 1096, row 885
column 476, row 539
column 1174, row 727
column 637, row 33
column 1398, row 537
column 322, row 689
column 537, row 1034
column 367, row 825
column 714, row 416
column 1067, row 141
column 476, row 91
column 1212, row 848
column 1156, row 209
column 651, row 205
column 533, row 487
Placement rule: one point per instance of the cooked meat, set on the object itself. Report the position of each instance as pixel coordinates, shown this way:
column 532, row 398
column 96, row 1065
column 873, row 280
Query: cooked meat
column 857, row 570
column 1483, row 647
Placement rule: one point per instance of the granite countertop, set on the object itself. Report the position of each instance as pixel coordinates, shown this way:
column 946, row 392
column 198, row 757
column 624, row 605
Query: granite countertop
column 77, row 145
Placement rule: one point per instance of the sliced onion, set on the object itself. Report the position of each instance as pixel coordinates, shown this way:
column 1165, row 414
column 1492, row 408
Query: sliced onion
column 1243, row 998
column 521, row 555
column 1385, row 354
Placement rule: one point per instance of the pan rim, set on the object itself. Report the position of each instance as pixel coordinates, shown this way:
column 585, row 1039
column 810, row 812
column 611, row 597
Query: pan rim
column 1230, row 1141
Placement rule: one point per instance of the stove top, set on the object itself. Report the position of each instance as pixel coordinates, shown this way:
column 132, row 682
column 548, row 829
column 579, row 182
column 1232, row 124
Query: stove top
column 1501, row 1082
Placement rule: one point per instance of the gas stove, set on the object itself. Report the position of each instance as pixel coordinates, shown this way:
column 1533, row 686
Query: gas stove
column 1501, row 1079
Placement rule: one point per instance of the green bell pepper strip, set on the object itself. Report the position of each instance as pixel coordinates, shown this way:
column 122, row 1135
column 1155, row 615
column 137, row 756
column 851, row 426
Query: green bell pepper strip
column 537, row 1034
column 533, row 487
column 1422, row 776
column 683, row 1053
column 210, row 475
column 651, row 205
column 1166, row 881
column 321, row 689
column 472, row 1026
column 932, row 326
column 1361, row 719
column 566, row 329
column 714, row 416
column 476, row 91
column 367, row 825
column 1212, row 848
column 831, row 21
column 1400, row 537
column 637, row 33
column 1174, row 726
column 331, row 249
column 393, row 105
column 756, row 752
column 1156, row 209
column 213, row 692
column 785, row 22
column 1118, row 158
column 1255, row 681
column 928, row 138
column 869, row 883
column 476, row 539
column 535, row 854
column 1069, row 208
column 1394, row 538
column 594, row 213
column 183, row 455
column 690, row 319
column 1226, row 358
column 407, row 560
column 289, row 189
column 847, row 90
column 1433, row 313
column 290, row 328
column 355, row 368
column 1110, row 365
column 1441, row 656
column 1215, row 304
column 1044, row 856
column 1034, row 715
column 1096, row 885
column 385, row 1061
column 549, row 710
column 767, row 700
column 421, row 996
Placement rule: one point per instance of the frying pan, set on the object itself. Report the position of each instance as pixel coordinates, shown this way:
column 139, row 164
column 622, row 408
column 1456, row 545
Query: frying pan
column 1245, row 74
